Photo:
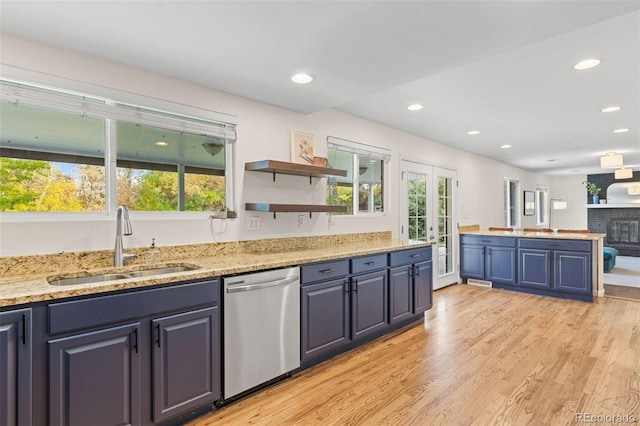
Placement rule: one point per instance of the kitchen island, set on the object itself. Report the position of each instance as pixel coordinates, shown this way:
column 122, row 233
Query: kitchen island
column 568, row 265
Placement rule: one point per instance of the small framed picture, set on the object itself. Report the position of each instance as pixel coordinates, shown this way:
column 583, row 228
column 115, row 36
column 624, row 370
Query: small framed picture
column 303, row 147
column 529, row 203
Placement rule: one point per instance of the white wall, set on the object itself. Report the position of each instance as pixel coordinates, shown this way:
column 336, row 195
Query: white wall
column 263, row 133
column 571, row 190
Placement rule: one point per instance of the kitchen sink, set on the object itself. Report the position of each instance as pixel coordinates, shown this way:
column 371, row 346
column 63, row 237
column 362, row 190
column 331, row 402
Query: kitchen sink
column 121, row 276
column 161, row 271
column 88, row 280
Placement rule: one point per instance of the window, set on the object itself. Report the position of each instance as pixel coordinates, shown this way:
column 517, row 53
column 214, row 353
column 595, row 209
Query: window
column 511, row 191
column 541, row 205
column 57, row 149
column 365, row 166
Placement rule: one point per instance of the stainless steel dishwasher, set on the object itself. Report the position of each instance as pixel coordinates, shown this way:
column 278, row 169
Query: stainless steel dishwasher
column 261, row 328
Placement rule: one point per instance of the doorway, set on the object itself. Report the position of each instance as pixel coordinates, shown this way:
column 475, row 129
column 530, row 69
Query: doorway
column 427, row 213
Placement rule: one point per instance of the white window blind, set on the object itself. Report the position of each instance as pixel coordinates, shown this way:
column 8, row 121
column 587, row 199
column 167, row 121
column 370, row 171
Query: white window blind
column 358, row 148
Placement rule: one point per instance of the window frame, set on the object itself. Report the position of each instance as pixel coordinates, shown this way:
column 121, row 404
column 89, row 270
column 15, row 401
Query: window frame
column 542, row 207
column 357, row 149
column 511, row 204
column 158, row 109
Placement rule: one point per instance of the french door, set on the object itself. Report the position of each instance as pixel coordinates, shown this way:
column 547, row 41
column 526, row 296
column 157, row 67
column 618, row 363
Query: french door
column 427, row 199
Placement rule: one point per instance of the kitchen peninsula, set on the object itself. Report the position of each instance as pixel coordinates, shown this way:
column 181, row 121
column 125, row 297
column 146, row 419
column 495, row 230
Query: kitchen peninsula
column 567, row 265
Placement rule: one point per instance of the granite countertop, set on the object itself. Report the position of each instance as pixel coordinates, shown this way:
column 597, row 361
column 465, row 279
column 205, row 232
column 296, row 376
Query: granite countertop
column 32, row 286
column 550, row 235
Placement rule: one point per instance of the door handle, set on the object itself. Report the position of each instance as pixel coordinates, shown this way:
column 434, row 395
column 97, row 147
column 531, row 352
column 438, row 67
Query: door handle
column 354, row 283
column 258, row 286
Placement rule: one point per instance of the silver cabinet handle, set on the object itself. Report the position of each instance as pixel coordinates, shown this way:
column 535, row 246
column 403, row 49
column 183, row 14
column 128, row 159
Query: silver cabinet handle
column 259, row 286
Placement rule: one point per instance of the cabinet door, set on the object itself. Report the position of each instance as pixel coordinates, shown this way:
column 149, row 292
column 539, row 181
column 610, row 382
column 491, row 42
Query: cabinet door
column 501, row 264
column 186, row 362
column 400, row 293
column 472, row 261
column 15, row 367
column 368, row 303
column 325, row 317
column 534, row 270
column 422, row 286
column 94, row 378
column 572, row 271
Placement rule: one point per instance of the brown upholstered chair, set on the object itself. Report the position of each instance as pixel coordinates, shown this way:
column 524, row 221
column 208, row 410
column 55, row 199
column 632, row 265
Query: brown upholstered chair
column 495, row 228
column 468, row 228
column 573, row 231
column 537, row 230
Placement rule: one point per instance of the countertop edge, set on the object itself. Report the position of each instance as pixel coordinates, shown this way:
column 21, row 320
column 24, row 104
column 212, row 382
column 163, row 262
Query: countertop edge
column 22, row 290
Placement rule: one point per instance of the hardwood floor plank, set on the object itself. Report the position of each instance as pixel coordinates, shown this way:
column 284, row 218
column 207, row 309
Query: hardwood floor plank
column 481, row 357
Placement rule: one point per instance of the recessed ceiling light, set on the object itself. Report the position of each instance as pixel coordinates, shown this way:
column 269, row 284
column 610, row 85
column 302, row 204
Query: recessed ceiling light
column 474, row 132
column 620, row 130
column 610, row 109
column 161, row 143
column 505, row 146
column 302, row 78
column 415, row 107
column 586, row 64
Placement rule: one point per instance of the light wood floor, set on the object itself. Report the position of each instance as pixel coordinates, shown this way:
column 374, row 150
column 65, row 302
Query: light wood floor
column 482, row 357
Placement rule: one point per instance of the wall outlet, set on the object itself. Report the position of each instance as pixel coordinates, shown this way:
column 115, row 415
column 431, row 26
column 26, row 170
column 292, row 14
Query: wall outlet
column 300, row 220
column 253, row 223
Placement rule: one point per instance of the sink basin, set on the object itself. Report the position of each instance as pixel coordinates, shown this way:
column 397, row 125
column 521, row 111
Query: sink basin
column 121, row 276
column 161, row 271
column 88, row 280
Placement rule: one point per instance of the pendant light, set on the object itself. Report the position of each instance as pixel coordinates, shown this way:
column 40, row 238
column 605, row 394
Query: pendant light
column 623, row 173
column 611, row 161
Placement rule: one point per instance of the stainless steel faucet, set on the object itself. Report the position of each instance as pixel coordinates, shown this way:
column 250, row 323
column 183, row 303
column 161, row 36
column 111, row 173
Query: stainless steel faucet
column 123, row 227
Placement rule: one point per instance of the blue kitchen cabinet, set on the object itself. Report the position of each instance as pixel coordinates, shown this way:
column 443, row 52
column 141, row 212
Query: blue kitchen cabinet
column 572, row 271
column 488, row 258
column 186, row 362
column 368, row 303
column 410, row 283
column 94, row 378
column 325, row 317
column 339, row 308
column 400, row 293
column 15, row 368
column 140, row 357
column 535, row 268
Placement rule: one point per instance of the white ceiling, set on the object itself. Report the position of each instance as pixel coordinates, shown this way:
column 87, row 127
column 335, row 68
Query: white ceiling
column 502, row 67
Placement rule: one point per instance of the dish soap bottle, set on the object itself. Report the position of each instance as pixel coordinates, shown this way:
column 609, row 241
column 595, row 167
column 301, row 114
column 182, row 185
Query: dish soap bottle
column 153, row 252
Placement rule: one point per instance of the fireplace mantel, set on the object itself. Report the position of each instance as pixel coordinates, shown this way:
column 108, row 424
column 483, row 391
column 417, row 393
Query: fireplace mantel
column 614, row 206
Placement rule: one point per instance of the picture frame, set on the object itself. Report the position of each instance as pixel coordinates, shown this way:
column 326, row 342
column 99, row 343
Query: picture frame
column 303, row 147
column 529, row 203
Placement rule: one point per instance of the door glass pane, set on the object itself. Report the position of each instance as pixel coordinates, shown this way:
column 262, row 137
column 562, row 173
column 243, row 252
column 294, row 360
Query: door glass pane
column 416, row 192
column 445, row 226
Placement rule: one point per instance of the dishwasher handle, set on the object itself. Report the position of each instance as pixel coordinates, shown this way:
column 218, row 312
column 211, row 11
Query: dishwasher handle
column 258, row 286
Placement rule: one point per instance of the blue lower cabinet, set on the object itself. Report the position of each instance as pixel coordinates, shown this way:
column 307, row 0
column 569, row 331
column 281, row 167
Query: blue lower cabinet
column 368, row 303
column 400, row 293
column 186, row 362
column 572, row 271
column 501, row 264
column 472, row 261
column 15, row 368
column 422, row 287
column 94, row 378
column 535, row 268
column 325, row 317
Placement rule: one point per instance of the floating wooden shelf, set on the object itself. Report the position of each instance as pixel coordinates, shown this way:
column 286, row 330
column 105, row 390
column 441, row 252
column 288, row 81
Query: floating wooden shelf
column 294, row 208
column 284, row 168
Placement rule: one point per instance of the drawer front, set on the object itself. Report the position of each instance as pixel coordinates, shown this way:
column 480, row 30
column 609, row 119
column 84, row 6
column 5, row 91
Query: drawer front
column 324, row 271
column 552, row 244
column 488, row 241
column 101, row 310
column 403, row 257
column 368, row 263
